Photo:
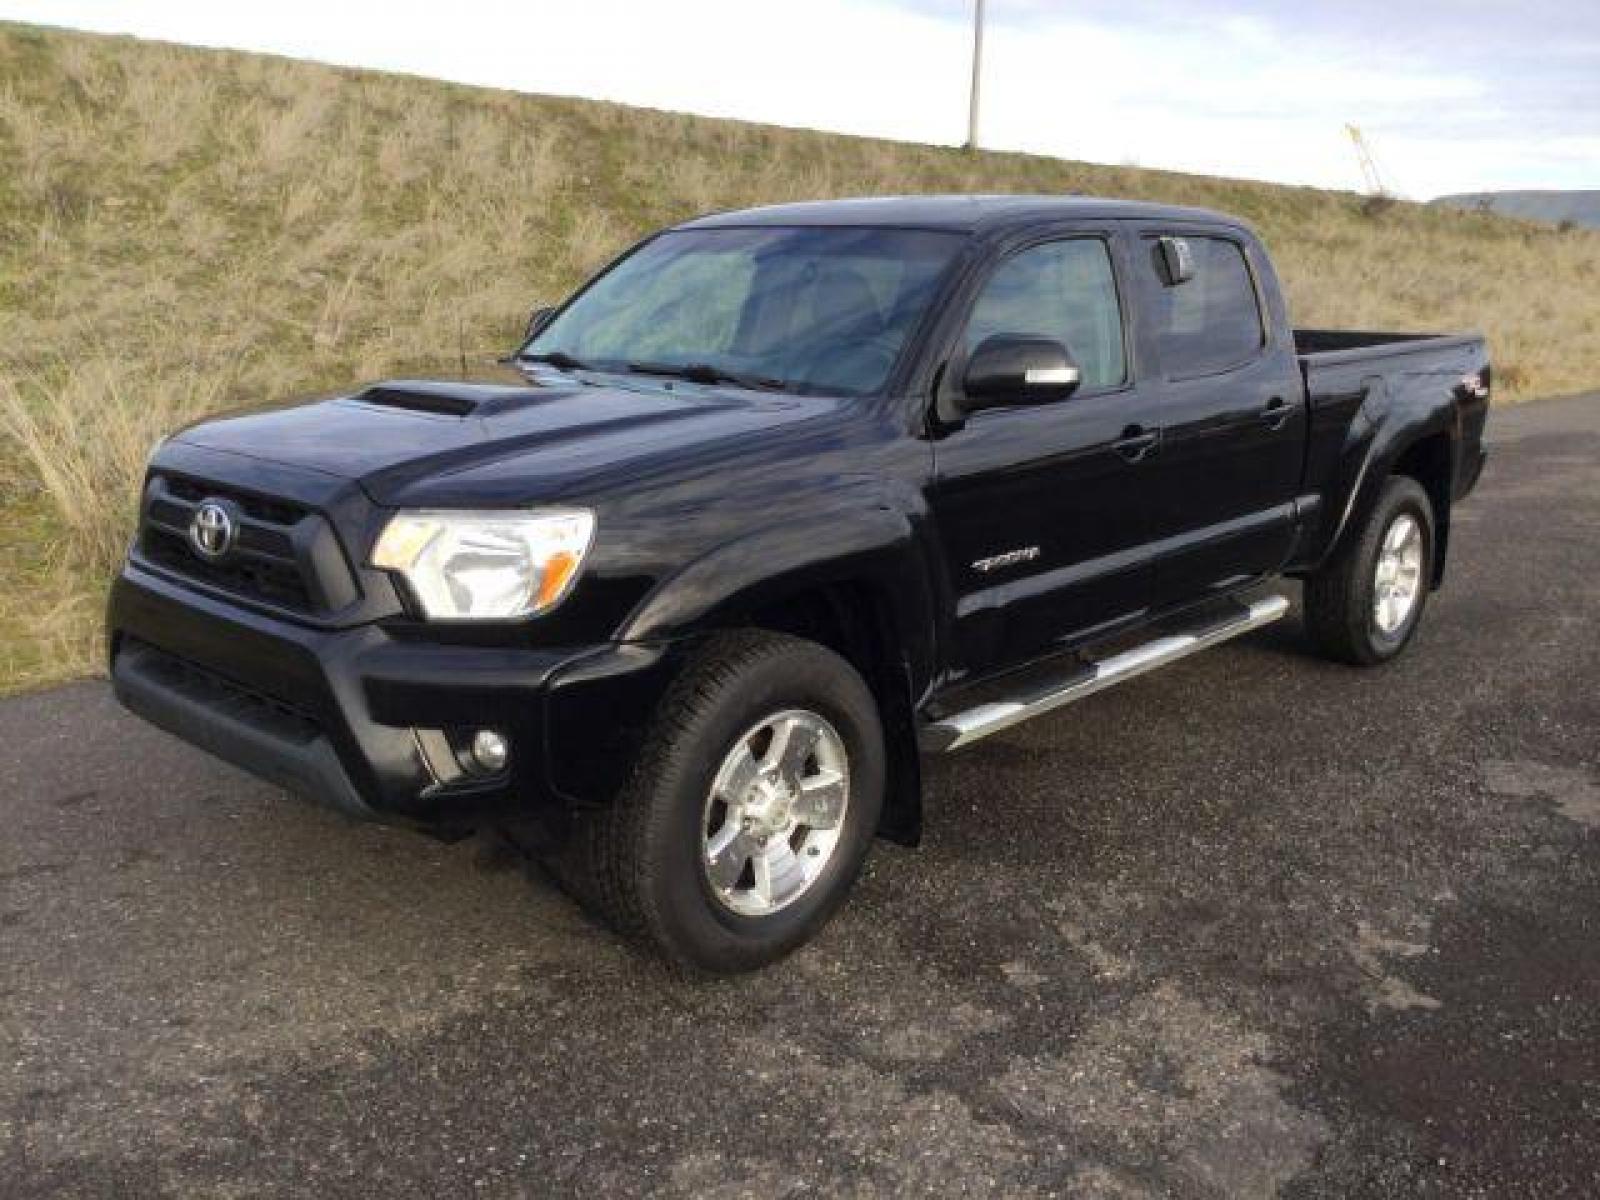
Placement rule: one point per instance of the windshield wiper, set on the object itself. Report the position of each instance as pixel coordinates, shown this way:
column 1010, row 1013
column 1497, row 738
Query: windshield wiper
column 693, row 372
column 557, row 358
column 706, row 373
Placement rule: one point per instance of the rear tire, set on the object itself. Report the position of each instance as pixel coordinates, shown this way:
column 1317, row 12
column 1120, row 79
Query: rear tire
column 1363, row 607
column 749, row 812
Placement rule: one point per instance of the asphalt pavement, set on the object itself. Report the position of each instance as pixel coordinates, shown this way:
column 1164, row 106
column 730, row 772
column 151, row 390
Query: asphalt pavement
column 1254, row 925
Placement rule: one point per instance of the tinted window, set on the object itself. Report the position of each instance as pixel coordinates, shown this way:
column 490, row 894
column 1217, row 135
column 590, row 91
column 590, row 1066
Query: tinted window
column 1062, row 290
column 822, row 309
column 1211, row 322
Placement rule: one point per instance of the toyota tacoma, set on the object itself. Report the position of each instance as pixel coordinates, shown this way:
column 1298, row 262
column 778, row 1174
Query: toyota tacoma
column 778, row 502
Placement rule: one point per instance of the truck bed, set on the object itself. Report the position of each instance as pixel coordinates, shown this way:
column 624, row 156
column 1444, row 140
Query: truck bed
column 1355, row 380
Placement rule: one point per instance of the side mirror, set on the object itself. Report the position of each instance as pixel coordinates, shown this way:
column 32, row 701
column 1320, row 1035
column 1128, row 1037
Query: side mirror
column 537, row 320
column 1174, row 261
column 1011, row 368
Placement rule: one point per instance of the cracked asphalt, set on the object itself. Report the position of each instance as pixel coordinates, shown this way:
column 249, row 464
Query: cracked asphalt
column 1255, row 925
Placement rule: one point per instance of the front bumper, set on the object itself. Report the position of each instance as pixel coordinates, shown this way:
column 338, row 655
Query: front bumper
column 334, row 715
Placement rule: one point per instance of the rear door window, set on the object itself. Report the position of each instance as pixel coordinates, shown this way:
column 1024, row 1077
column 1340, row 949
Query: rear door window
column 1212, row 322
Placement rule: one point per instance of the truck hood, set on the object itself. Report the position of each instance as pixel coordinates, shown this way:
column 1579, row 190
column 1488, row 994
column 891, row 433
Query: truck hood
column 413, row 442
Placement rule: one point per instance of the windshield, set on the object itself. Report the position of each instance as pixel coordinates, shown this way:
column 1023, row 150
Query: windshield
column 824, row 310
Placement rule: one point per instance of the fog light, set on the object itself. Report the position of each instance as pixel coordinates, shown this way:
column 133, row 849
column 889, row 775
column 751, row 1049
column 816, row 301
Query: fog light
column 490, row 750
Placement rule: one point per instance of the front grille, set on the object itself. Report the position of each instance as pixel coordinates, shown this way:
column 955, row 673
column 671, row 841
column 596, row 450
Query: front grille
column 285, row 555
column 277, row 583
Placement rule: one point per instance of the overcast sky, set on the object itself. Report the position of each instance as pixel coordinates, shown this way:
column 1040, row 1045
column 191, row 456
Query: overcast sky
column 1454, row 95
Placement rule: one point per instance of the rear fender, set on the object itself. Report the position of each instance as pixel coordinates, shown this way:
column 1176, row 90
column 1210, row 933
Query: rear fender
column 1378, row 440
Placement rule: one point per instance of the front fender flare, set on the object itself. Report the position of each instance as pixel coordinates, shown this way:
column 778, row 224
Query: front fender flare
column 855, row 539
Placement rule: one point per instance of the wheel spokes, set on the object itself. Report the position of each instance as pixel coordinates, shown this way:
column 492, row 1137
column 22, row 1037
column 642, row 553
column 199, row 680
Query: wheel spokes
column 738, row 772
column 774, row 812
column 792, row 742
column 1397, row 578
column 729, row 850
column 777, row 872
column 821, row 800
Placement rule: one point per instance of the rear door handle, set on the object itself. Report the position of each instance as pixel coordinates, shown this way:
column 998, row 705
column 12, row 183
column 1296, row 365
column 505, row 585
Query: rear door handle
column 1136, row 442
column 1276, row 414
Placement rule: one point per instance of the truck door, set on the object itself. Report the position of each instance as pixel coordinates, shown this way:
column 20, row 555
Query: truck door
column 1232, row 412
column 1041, row 510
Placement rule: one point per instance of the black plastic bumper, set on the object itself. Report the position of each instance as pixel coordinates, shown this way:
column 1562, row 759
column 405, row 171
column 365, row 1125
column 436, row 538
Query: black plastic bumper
column 246, row 729
column 332, row 714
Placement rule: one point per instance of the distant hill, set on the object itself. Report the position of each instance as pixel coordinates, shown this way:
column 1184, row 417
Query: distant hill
column 1581, row 208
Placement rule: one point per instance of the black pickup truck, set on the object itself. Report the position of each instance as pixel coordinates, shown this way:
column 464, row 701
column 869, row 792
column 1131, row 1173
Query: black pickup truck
column 779, row 501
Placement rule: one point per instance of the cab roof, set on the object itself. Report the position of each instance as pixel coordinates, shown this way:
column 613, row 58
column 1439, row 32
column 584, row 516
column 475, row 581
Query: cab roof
column 965, row 214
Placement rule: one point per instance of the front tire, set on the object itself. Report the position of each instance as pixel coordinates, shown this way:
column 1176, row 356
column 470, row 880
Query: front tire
column 1363, row 607
column 749, row 812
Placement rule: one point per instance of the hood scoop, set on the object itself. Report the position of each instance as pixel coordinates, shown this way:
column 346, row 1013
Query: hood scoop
column 445, row 399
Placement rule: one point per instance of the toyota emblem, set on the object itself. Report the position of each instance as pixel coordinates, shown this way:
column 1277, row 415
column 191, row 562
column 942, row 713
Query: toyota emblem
column 212, row 531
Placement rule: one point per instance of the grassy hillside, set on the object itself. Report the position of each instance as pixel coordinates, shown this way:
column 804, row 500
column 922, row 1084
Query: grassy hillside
column 182, row 230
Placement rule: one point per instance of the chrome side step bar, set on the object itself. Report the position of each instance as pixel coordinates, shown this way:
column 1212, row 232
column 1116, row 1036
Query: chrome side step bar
column 964, row 728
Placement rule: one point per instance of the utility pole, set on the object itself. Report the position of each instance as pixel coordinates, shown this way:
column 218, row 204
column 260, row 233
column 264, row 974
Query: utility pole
column 977, row 74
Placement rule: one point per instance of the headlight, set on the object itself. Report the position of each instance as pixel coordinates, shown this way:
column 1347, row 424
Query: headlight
column 486, row 566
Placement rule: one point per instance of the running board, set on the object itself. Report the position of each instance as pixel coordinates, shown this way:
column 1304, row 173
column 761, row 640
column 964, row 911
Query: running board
column 964, row 728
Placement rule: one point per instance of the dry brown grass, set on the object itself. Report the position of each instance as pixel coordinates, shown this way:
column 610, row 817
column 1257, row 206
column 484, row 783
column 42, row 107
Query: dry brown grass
column 182, row 230
column 81, row 436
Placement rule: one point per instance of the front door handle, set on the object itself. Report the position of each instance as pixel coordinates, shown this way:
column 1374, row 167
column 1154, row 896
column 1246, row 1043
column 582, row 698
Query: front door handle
column 1136, row 442
column 1276, row 414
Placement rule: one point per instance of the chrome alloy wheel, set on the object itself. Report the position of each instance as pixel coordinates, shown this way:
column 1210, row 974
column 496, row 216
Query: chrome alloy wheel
column 1398, row 579
column 775, row 812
